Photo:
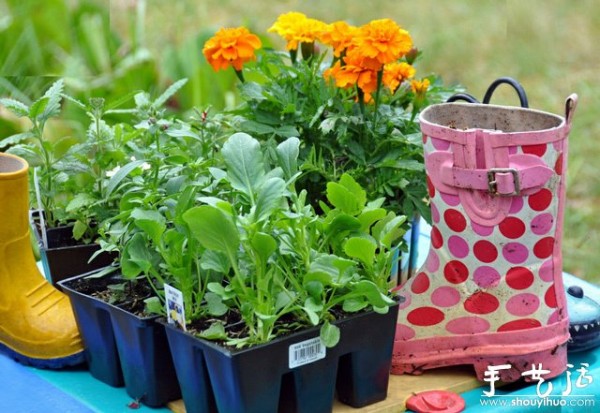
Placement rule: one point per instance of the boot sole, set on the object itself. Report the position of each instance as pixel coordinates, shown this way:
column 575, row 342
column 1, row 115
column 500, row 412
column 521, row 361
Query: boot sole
column 50, row 364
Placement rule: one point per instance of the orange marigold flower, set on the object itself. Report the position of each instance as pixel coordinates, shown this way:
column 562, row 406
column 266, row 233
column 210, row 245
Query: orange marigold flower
column 382, row 40
column 338, row 35
column 231, row 47
column 296, row 28
column 396, row 73
column 354, row 73
column 419, row 87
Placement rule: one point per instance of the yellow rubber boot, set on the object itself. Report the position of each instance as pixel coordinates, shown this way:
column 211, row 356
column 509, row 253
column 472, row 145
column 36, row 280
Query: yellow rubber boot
column 37, row 325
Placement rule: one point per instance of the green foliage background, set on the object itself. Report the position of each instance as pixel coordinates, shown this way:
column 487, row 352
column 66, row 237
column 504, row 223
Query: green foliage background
column 111, row 47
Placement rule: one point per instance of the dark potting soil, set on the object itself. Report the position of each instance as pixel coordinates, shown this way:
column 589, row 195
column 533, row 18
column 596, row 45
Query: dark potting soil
column 128, row 295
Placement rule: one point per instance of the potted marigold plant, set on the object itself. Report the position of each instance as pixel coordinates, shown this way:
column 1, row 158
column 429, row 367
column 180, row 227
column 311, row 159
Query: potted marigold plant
column 349, row 93
column 296, row 296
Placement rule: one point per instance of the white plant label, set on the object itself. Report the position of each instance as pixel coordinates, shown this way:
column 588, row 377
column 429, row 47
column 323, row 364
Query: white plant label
column 175, row 308
column 306, row 352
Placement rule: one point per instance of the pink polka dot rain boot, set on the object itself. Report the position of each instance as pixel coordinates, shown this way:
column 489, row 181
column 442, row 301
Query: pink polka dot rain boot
column 490, row 291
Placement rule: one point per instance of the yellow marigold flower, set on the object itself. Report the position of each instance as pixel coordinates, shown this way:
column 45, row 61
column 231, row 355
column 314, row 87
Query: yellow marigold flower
column 382, row 40
column 338, row 35
column 419, row 87
column 396, row 73
column 296, row 28
column 231, row 47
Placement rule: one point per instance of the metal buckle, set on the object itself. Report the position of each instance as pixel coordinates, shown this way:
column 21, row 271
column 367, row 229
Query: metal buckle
column 492, row 183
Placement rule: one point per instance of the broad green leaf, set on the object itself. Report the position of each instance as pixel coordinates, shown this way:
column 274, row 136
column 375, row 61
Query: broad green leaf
column 264, row 245
column 81, row 200
column 369, row 216
column 328, row 269
column 226, row 293
column 54, row 96
column 314, row 288
column 342, row 224
column 389, row 230
column 362, row 249
column 330, row 334
column 370, row 291
column 154, row 306
column 136, row 257
column 38, row 107
column 16, row 107
column 270, row 195
column 257, row 128
column 151, row 222
column 216, row 331
column 287, row 156
column 116, row 179
column 245, row 165
column 312, row 304
column 215, row 304
column 354, row 304
column 347, row 195
column 15, row 139
column 312, row 316
column 286, row 131
column 215, row 260
column 284, row 298
column 213, row 229
column 79, row 229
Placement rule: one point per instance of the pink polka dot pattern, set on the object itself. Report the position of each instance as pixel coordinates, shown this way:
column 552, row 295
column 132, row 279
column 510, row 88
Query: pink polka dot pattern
column 515, row 253
column 404, row 332
column 546, row 271
column 523, row 304
column 482, row 230
column 486, row 278
column 468, row 325
column 542, row 224
column 445, row 297
column 458, row 246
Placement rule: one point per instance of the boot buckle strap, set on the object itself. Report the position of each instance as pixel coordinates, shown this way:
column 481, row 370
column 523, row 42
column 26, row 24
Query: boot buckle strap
column 500, row 179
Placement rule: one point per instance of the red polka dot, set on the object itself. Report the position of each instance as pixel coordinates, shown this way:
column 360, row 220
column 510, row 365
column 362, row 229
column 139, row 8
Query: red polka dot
column 538, row 150
column 540, row 200
column 455, row 220
column 420, row 283
column 544, row 247
column 512, row 227
column 519, row 278
column 436, row 238
column 425, row 316
column 558, row 166
column 550, row 297
column 523, row 324
column 485, row 251
column 456, row 272
column 430, row 188
column 481, row 303
column 424, row 139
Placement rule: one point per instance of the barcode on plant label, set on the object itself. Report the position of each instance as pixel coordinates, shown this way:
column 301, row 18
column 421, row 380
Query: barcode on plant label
column 306, row 352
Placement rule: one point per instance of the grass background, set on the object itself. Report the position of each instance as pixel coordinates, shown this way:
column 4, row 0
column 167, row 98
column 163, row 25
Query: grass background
column 550, row 46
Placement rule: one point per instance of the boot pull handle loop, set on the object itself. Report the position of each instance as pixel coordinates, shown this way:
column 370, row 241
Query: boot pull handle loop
column 509, row 81
column 570, row 106
column 490, row 91
column 462, row 96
